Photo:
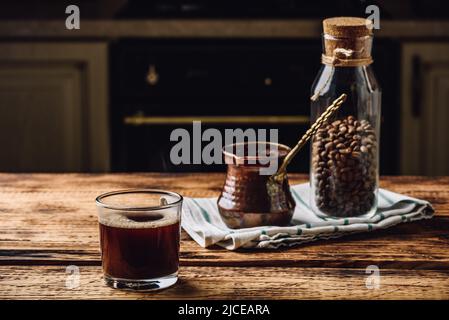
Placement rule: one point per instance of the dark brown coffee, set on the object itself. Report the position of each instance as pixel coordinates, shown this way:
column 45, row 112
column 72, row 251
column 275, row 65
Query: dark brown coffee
column 140, row 246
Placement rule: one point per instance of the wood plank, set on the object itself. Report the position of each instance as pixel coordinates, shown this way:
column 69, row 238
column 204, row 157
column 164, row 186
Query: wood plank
column 84, row 187
column 49, row 282
column 51, row 219
column 414, row 246
column 434, row 189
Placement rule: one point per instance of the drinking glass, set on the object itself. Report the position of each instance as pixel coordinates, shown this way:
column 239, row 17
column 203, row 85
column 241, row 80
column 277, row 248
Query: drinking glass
column 139, row 238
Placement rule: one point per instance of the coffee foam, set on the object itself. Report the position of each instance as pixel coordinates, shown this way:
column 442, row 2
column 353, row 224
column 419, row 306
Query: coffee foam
column 125, row 220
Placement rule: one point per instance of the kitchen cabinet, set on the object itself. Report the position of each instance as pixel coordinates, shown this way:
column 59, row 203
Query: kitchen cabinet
column 53, row 107
column 425, row 112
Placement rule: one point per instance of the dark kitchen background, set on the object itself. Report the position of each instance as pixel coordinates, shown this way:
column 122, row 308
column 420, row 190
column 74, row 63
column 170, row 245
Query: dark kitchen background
column 107, row 96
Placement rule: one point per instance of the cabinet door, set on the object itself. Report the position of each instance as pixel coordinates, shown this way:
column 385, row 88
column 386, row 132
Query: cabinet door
column 425, row 112
column 53, row 107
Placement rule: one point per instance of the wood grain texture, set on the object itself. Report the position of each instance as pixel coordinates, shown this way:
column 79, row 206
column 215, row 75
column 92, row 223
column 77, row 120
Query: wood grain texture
column 414, row 246
column 49, row 282
column 49, row 221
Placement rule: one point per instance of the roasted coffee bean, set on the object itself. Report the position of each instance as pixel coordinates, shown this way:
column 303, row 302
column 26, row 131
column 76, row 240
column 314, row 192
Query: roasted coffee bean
column 356, row 154
column 336, row 123
column 329, row 146
column 344, row 165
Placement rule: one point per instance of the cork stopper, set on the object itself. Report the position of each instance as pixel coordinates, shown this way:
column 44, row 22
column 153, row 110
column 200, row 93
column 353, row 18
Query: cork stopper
column 347, row 41
column 348, row 27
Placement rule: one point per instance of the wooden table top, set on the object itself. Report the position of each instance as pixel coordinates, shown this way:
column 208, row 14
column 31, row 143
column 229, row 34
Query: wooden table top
column 48, row 222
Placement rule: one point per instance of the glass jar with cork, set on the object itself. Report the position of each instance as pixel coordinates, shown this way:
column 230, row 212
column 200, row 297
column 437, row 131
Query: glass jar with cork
column 344, row 166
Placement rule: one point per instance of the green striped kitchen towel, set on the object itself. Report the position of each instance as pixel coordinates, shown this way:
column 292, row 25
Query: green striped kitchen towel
column 201, row 220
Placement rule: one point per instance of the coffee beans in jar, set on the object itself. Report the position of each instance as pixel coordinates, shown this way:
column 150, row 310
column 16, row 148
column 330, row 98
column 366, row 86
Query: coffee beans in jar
column 344, row 167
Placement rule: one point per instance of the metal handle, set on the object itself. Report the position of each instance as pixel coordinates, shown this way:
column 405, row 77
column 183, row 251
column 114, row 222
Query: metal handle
column 323, row 118
column 152, row 76
column 139, row 120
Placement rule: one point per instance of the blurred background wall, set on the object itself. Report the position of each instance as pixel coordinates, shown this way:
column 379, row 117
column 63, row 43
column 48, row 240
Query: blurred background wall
column 107, row 96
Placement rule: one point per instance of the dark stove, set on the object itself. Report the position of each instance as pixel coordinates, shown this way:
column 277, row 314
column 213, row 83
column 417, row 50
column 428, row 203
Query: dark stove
column 160, row 85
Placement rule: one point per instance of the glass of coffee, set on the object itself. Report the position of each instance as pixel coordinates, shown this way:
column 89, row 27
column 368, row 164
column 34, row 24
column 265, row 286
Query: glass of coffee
column 139, row 238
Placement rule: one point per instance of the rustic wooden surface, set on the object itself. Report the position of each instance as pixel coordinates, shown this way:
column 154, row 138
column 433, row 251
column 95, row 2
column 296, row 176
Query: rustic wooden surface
column 48, row 222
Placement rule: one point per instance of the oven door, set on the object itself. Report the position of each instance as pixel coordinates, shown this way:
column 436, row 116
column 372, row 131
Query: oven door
column 160, row 85
column 248, row 84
